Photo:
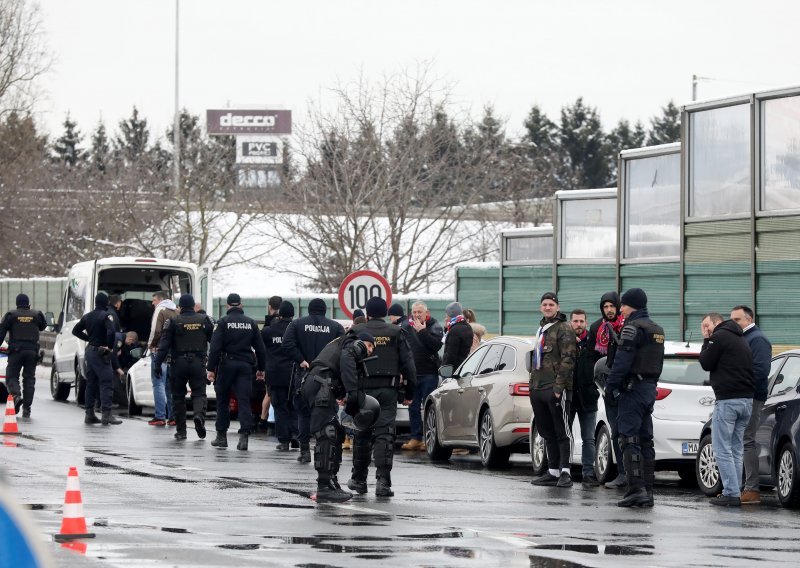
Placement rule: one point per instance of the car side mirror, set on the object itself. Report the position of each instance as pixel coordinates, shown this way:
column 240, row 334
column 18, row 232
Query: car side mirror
column 446, row 371
column 136, row 353
column 779, row 379
column 49, row 319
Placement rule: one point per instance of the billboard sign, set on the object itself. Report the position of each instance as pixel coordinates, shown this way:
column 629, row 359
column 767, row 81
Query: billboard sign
column 248, row 121
column 258, row 150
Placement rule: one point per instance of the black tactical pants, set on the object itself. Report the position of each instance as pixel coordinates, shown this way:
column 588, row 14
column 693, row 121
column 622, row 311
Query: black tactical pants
column 285, row 418
column 236, row 376
column 99, row 377
column 378, row 441
column 189, row 369
column 24, row 360
column 635, row 425
column 324, row 426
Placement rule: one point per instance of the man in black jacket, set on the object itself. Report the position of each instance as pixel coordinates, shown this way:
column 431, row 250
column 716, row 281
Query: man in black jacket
column 727, row 358
column 236, row 351
column 424, row 336
column 458, row 336
column 303, row 340
column 585, row 395
column 279, row 374
column 23, row 326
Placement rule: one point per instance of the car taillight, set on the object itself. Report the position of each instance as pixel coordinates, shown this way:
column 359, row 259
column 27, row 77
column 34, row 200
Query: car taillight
column 519, row 389
column 662, row 393
column 4, row 350
column 521, row 431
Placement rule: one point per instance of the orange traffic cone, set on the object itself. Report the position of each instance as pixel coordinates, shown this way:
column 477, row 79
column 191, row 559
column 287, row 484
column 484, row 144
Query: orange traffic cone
column 10, row 424
column 73, row 525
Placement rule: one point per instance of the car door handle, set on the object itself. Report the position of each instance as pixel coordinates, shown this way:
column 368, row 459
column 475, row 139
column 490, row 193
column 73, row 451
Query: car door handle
column 481, row 389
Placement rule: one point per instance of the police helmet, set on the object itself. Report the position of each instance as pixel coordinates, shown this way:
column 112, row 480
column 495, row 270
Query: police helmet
column 368, row 414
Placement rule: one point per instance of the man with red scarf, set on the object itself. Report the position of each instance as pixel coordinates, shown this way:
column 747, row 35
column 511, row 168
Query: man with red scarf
column 601, row 343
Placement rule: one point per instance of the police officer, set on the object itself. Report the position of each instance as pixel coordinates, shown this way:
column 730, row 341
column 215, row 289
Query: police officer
column 304, row 340
column 231, row 362
column 23, row 326
column 392, row 361
column 332, row 374
column 97, row 329
column 279, row 373
column 185, row 338
column 632, row 381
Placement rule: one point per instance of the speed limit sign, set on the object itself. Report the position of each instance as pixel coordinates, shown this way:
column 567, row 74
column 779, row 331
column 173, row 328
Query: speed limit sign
column 359, row 287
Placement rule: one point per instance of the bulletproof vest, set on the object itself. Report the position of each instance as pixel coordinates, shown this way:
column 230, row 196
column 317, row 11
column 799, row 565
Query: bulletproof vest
column 190, row 335
column 24, row 326
column 386, row 350
column 648, row 360
column 330, row 356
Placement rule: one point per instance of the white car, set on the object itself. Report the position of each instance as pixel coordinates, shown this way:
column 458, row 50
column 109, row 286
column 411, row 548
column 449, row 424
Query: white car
column 139, row 388
column 683, row 404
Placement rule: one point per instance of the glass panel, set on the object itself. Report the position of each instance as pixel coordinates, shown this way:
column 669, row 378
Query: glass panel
column 75, row 298
column 719, row 161
column 589, row 228
column 491, row 360
column 469, row 366
column 780, row 139
column 787, row 380
column 683, row 371
column 530, row 248
column 508, row 361
column 652, row 192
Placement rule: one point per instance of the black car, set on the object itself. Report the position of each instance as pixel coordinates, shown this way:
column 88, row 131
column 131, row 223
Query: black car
column 778, row 436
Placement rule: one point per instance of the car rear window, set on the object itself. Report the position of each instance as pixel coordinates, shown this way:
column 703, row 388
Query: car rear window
column 683, row 371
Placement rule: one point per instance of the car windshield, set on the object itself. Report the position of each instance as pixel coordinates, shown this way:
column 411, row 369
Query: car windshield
column 683, row 371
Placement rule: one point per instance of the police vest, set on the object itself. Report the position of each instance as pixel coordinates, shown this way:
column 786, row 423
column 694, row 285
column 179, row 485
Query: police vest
column 387, row 351
column 190, row 334
column 649, row 358
column 24, row 325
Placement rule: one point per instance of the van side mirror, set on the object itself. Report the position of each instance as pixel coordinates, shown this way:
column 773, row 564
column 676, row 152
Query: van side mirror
column 49, row 319
column 446, row 371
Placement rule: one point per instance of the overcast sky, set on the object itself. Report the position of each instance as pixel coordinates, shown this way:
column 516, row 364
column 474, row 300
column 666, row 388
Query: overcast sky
column 628, row 58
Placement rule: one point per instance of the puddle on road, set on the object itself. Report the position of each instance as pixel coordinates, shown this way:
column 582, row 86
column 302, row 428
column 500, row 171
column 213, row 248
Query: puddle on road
column 545, row 562
column 34, row 438
column 607, row 549
column 175, row 530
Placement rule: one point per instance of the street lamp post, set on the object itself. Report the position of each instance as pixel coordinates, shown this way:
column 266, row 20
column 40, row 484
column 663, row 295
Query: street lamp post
column 176, row 135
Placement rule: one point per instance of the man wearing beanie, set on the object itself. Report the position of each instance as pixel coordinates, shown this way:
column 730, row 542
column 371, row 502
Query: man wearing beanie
column 391, row 370
column 632, row 382
column 185, row 339
column 236, row 351
column 22, row 326
column 551, row 382
column 396, row 314
column 303, row 340
column 97, row 329
column 458, row 336
column 279, row 374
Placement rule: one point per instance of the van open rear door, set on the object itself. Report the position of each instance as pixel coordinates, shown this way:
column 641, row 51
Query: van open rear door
column 206, row 292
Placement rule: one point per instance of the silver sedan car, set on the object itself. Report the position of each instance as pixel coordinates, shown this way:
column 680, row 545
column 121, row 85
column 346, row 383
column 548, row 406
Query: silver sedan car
column 483, row 404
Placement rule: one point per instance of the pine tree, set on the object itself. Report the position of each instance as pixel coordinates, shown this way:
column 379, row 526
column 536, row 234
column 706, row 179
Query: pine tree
column 67, row 147
column 100, row 153
column 624, row 138
column 540, row 131
column 132, row 142
column 585, row 145
column 667, row 127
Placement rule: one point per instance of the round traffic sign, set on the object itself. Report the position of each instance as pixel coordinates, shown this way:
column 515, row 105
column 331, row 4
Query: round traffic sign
column 359, row 287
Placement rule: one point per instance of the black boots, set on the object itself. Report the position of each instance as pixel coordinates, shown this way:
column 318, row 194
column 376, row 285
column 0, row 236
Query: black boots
column 383, row 486
column 200, row 427
column 636, row 495
column 330, row 492
column 91, row 417
column 243, row 438
column 357, row 485
column 305, row 453
column 221, row 441
column 109, row 418
column 26, row 411
column 180, row 435
column 17, row 404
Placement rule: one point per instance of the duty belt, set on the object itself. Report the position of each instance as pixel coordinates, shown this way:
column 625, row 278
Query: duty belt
column 380, row 382
column 97, row 348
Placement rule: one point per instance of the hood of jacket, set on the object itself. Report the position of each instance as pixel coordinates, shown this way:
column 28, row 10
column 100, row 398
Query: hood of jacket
column 612, row 297
column 558, row 317
column 729, row 326
column 169, row 304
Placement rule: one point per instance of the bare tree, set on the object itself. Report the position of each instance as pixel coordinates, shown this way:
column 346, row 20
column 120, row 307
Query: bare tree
column 23, row 55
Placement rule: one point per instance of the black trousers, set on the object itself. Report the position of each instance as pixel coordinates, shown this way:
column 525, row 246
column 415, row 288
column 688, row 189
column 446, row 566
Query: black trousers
column 552, row 422
column 324, row 426
column 236, row 376
column 22, row 360
column 190, row 370
column 378, row 441
column 285, row 419
column 99, row 377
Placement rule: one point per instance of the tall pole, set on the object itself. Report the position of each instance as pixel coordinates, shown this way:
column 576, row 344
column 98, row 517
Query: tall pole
column 694, row 87
column 176, row 135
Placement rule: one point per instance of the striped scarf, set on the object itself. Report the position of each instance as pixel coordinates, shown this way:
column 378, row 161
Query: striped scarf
column 538, row 345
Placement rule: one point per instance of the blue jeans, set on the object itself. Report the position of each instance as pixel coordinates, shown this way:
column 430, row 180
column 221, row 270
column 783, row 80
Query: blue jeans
column 727, row 438
column 162, row 395
column 426, row 384
column 587, row 421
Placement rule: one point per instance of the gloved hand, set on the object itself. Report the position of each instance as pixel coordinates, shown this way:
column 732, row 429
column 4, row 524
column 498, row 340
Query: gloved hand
column 352, row 406
column 611, row 394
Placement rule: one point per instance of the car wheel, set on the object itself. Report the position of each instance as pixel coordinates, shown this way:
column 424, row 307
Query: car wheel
column 59, row 390
column 80, row 387
column 604, row 467
column 433, row 448
column 706, row 470
column 491, row 455
column 788, row 486
column 133, row 408
column 538, row 451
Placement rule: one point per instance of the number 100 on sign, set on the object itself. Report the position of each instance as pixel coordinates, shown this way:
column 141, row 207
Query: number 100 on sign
column 359, row 287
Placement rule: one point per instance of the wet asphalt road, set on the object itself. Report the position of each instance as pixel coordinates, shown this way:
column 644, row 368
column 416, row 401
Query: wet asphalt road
column 153, row 501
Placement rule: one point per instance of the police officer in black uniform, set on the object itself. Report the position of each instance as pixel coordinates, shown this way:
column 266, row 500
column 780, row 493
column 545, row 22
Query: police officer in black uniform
column 231, row 362
column 332, row 374
column 97, row 329
column 393, row 360
column 279, row 373
column 632, row 381
column 185, row 338
column 23, row 326
column 304, row 340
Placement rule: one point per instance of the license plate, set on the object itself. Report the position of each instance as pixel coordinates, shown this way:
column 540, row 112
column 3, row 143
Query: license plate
column 689, row 448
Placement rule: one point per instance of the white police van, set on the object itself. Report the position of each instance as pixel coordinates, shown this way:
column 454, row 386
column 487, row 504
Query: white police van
column 135, row 280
